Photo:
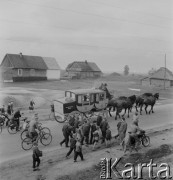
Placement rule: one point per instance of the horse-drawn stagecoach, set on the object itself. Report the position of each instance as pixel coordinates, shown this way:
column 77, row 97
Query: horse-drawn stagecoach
column 80, row 101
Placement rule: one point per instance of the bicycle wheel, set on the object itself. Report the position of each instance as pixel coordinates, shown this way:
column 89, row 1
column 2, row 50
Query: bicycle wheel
column 27, row 144
column 24, row 134
column 146, row 141
column 45, row 130
column 46, row 139
column 12, row 129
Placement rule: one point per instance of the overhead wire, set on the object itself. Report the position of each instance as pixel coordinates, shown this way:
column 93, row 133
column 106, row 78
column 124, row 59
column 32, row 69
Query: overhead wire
column 88, row 14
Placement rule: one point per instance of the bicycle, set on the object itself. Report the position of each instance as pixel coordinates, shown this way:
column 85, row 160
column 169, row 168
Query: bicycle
column 25, row 132
column 45, row 139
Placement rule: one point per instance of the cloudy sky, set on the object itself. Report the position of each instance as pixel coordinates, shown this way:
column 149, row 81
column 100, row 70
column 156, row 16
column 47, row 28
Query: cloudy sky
column 112, row 33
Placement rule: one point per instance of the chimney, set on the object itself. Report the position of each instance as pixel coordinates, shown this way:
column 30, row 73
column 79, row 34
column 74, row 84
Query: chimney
column 20, row 54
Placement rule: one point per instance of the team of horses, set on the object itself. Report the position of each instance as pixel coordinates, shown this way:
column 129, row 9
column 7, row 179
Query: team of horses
column 127, row 103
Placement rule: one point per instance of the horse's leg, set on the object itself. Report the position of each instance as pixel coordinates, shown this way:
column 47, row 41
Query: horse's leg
column 125, row 109
column 128, row 112
column 152, row 108
column 141, row 109
column 136, row 107
column 116, row 115
column 146, row 108
column 110, row 112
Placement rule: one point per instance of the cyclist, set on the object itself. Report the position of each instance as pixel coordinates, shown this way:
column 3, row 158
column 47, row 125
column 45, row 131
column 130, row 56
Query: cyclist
column 135, row 131
column 33, row 128
column 16, row 119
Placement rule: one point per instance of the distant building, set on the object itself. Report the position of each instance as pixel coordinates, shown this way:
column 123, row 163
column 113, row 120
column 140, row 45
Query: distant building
column 159, row 78
column 84, row 69
column 53, row 69
column 19, row 67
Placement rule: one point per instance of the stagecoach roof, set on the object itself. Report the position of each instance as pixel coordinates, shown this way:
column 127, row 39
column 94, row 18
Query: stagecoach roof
column 85, row 91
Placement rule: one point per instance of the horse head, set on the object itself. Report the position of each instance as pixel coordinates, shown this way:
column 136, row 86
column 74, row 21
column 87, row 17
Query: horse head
column 156, row 95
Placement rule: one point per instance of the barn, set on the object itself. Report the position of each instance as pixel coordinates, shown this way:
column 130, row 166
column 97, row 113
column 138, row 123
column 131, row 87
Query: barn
column 19, row 67
column 53, row 69
column 83, row 69
column 162, row 77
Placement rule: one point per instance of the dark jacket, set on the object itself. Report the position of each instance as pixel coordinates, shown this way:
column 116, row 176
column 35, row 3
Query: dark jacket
column 103, row 126
column 86, row 129
column 93, row 128
column 66, row 129
column 72, row 142
column 99, row 120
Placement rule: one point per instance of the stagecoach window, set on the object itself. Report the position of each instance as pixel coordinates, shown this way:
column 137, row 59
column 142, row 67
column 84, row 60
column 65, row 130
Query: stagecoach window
column 79, row 99
column 101, row 97
column 86, row 98
column 67, row 94
column 72, row 95
column 92, row 97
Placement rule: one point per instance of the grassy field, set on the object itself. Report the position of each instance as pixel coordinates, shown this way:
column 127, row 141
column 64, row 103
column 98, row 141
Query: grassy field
column 119, row 86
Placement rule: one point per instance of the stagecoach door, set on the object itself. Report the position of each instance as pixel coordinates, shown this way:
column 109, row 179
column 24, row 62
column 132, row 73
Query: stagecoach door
column 101, row 101
column 85, row 102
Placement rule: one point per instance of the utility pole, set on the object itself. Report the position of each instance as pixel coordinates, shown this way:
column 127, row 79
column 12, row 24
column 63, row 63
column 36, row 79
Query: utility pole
column 165, row 72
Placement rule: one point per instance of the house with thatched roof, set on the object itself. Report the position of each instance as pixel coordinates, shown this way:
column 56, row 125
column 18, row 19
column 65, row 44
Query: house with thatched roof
column 162, row 77
column 19, row 67
column 83, row 69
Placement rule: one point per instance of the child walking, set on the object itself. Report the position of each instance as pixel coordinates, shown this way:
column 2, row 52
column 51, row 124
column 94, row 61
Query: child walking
column 96, row 137
column 108, row 136
column 36, row 157
column 78, row 151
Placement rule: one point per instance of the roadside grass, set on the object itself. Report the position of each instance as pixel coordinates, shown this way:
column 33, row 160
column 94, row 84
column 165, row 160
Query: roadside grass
column 119, row 86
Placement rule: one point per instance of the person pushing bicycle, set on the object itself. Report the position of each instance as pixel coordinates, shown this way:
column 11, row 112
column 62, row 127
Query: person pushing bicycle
column 34, row 128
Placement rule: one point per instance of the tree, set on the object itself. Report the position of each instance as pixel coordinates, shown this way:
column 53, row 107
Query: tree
column 126, row 70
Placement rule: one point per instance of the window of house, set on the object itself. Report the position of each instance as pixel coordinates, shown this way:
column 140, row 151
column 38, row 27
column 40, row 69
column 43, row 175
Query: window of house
column 19, row 72
column 32, row 72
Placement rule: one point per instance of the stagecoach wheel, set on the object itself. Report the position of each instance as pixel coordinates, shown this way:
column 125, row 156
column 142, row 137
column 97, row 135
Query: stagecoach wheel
column 12, row 129
column 59, row 119
column 146, row 141
column 24, row 134
column 27, row 144
column 46, row 139
column 45, row 130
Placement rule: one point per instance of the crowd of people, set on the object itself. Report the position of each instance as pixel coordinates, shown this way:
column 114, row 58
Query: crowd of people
column 78, row 131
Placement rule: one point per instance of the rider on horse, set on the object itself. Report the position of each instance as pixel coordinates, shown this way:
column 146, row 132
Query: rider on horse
column 104, row 88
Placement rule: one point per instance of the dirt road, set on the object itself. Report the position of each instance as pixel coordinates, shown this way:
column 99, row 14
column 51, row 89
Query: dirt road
column 55, row 166
column 11, row 144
